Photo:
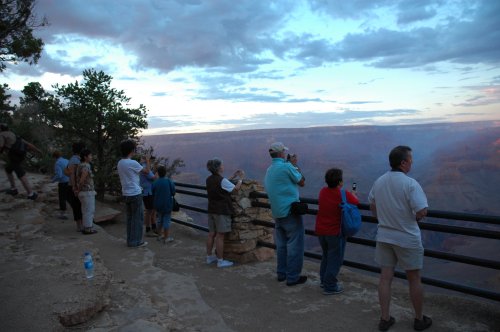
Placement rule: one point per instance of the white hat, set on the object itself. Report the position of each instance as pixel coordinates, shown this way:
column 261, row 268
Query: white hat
column 277, row 147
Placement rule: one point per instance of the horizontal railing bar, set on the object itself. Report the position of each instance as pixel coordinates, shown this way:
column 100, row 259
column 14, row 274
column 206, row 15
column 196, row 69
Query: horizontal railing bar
column 190, row 224
column 192, row 208
column 489, row 234
column 190, row 193
column 429, row 281
column 428, row 253
column 487, row 219
column 188, row 185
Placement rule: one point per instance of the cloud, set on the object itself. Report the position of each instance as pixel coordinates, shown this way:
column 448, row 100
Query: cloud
column 222, row 37
column 168, row 35
column 289, row 120
column 361, row 102
column 166, row 122
column 488, row 94
column 471, row 38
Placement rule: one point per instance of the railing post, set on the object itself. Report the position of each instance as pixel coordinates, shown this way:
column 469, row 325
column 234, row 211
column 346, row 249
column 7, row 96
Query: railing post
column 241, row 244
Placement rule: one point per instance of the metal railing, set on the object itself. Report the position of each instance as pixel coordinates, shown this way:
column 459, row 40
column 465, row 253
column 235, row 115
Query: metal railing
column 450, row 229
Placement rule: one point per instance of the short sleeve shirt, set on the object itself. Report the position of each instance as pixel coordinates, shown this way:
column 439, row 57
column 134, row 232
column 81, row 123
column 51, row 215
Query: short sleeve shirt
column 397, row 198
column 281, row 183
column 227, row 185
column 128, row 170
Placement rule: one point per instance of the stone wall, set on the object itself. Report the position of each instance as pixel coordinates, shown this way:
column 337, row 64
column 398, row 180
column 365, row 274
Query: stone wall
column 241, row 243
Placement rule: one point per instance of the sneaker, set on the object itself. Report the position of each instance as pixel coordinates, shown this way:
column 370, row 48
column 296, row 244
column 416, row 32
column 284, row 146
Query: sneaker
column 169, row 239
column 12, row 192
column 422, row 324
column 281, row 278
column 142, row 244
column 151, row 234
column 384, row 325
column 339, row 289
column 211, row 259
column 301, row 280
column 224, row 263
column 33, row 196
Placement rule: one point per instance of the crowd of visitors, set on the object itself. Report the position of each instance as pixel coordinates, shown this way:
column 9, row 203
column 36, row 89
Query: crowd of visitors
column 396, row 200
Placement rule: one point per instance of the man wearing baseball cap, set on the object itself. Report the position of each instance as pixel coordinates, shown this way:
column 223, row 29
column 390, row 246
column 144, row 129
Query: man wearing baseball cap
column 282, row 183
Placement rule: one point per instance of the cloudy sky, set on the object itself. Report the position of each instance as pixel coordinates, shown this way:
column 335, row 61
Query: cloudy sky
column 213, row 65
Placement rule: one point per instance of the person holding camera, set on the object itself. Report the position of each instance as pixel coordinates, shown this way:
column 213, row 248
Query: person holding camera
column 220, row 209
column 282, row 182
column 328, row 230
column 129, row 170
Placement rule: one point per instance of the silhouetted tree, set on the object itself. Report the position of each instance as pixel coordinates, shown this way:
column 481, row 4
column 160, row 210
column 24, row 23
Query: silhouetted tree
column 96, row 113
column 17, row 42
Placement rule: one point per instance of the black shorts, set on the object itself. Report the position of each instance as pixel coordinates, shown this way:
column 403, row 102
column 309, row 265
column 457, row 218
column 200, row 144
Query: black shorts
column 13, row 164
column 148, row 202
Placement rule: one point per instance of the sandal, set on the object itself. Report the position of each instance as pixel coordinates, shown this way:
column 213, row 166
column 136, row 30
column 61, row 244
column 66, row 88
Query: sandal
column 422, row 324
column 384, row 325
column 88, row 231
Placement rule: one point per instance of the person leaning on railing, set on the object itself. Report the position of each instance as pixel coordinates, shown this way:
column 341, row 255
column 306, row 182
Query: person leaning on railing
column 220, row 209
column 398, row 202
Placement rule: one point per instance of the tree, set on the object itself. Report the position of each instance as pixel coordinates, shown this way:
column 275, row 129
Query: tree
column 5, row 107
column 17, row 42
column 96, row 113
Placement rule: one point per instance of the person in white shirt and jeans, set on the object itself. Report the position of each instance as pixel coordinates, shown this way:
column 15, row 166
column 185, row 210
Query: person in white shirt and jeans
column 128, row 170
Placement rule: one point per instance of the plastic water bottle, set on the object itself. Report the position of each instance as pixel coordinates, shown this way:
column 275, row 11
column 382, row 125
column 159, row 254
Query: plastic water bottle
column 89, row 265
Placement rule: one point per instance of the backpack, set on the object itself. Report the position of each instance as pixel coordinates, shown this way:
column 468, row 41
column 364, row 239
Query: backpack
column 351, row 218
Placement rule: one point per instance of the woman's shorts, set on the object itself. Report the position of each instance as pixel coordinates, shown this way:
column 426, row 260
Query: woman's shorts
column 219, row 223
column 148, row 202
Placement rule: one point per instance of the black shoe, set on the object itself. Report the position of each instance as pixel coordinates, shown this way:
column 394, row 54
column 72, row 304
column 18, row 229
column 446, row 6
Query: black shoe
column 33, row 196
column 12, row 192
column 384, row 325
column 301, row 280
column 424, row 323
column 281, row 278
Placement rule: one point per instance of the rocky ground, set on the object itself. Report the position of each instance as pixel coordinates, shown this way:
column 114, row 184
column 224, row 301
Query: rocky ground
column 170, row 288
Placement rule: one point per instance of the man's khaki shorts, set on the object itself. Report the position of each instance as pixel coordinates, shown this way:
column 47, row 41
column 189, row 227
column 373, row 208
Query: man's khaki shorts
column 388, row 255
column 219, row 223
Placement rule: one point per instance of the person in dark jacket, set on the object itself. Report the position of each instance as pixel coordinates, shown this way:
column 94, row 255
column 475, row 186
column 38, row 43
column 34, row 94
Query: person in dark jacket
column 163, row 191
column 220, row 209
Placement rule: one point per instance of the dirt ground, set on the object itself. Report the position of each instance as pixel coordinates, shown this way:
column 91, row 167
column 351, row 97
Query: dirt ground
column 170, row 288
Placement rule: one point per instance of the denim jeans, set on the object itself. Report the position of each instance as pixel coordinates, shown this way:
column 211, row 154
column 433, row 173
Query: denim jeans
column 289, row 239
column 135, row 220
column 333, row 247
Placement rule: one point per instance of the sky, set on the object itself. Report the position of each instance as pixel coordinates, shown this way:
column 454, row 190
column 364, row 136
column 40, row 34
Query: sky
column 218, row 65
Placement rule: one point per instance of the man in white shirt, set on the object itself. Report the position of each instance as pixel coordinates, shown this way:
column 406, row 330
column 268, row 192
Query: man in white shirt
column 398, row 202
column 128, row 170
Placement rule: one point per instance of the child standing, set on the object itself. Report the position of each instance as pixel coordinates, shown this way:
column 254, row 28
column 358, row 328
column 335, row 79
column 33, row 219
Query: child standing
column 163, row 193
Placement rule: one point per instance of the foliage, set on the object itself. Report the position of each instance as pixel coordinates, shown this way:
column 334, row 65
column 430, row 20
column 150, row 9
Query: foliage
column 17, row 42
column 5, row 107
column 96, row 113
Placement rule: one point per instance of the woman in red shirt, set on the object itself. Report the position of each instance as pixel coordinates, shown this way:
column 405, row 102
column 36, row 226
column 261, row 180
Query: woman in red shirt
column 328, row 230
